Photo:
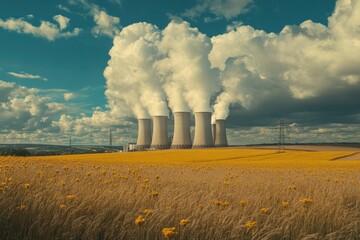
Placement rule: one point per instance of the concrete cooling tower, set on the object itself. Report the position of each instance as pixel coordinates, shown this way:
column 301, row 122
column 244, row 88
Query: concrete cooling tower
column 182, row 137
column 213, row 132
column 160, row 133
column 144, row 134
column 203, row 136
column 220, row 140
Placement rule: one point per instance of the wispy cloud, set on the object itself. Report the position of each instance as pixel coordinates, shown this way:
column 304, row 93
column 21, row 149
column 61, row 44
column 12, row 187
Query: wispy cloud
column 227, row 9
column 46, row 29
column 105, row 24
column 69, row 95
column 26, row 76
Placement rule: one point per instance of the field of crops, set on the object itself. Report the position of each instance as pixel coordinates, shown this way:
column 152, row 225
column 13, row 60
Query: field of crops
column 181, row 194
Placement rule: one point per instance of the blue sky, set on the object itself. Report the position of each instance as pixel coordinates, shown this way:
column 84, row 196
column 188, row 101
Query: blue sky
column 69, row 56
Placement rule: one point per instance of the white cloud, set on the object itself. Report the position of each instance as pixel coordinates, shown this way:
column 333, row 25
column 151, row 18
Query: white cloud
column 106, row 25
column 68, row 96
column 22, row 108
column 301, row 62
column 27, row 76
column 234, row 25
column 62, row 21
column 46, row 29
column 227, row 9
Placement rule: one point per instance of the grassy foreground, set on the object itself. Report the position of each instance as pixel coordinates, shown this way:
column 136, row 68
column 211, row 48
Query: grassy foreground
column 188, row 194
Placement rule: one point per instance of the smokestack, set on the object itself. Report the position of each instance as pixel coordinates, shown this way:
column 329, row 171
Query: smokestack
column 220, row 140
column 203, row 137
column 144, row 134
column 213, row 131
column 182, row 138
column 160, row 138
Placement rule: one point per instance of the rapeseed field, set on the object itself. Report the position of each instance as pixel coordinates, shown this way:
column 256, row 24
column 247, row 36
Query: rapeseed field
column 181, row 194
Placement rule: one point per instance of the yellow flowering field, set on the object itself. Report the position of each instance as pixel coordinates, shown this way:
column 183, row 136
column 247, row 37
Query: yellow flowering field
column 181, row 194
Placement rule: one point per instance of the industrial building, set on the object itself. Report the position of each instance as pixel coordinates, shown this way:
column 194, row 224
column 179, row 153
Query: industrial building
column 206, row 134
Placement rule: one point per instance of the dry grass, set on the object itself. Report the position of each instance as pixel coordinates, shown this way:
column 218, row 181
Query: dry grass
column 198, row 194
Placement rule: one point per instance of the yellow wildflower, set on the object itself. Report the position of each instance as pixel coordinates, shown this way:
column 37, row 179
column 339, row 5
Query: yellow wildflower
column 184, row 222
column 265, row 210
column 250, row 225
column 69, row 197
column 285, row 203
column 225, row 203
column 147, row 211
column 26, row 186
column 154, row 194
column 139, row 220
column 306, row 201
column 169, row 232
column 226, row 183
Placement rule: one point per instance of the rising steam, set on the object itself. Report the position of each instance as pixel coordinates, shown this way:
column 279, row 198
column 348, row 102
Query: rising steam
column 131, row 78
column 189, row 78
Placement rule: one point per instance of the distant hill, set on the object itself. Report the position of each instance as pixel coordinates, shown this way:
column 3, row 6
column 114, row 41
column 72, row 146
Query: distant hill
column 44, row 149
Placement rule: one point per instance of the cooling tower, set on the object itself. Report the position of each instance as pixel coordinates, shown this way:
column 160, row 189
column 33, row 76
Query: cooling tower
column 203, row 136
column 144, row 134
column 182, row 137
column 160, row 133
column 220, row 140
column 213, row 131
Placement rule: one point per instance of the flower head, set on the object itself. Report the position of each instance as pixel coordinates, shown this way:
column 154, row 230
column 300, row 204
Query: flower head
column 306, row 201
column 184, row 222
column 285, row 203
column 169, row 232
column 139, row 220
column 265, row 210
column 26, row 186
column 147, row 212
column 250, row 225
column 154, row 194
column 70, row 197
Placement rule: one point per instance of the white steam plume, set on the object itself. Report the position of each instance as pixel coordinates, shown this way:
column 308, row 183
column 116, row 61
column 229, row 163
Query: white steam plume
column 302, row 61
column 131, row 78
column 189, row 79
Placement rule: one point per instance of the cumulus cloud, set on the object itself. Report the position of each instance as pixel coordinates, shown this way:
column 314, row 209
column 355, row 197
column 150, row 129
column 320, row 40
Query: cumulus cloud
column 69, row 95
column 227, row 9
column 301, row 62
column 22, row 108
column 106, row 25
column 33, row 115
column 27, row 75
column 46, row 29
